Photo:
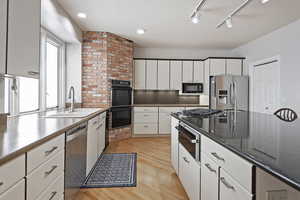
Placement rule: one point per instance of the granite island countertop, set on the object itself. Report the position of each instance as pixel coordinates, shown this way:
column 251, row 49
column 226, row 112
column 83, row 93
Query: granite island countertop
column 169, row 105
column 25, row 132
column 266, row 141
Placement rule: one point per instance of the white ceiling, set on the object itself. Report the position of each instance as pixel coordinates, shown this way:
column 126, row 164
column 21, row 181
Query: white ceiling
column 168, row 24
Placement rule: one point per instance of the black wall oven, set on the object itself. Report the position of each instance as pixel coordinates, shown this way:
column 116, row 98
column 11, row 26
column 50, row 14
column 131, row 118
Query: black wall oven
column 190, row 140
column 121, row 103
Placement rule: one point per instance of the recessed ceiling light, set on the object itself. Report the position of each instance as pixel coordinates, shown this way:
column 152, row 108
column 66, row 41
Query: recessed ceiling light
column 229, row 22
column 264, row 1
column 140, row 31
column 81, row 15
column 196, row 18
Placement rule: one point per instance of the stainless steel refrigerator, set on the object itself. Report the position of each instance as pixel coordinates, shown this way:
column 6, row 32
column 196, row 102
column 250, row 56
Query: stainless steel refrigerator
column 228, row 92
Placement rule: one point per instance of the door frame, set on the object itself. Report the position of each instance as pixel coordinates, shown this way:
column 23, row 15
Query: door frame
column 251, row 76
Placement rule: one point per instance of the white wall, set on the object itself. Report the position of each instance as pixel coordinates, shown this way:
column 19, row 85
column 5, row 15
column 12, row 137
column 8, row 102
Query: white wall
column 284, row 42
column 179, row 53
column 73, row 69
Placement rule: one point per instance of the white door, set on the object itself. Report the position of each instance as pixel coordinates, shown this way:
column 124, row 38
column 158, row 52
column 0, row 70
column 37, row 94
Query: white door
column 151, row 74
column 266, row 87
column 217, row 67
column 198, row 71
column 3, row 17
column 24, row 27
column 234, row 66
column 163, row 75
column 187, row 71
column 140, row 74
column 175, row 75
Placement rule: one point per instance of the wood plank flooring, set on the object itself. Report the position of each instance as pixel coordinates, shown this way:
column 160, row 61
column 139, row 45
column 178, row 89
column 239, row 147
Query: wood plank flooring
column 156, row 179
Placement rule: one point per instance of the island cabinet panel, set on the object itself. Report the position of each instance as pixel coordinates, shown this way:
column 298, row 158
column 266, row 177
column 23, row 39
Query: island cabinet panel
column 151, row 74
column 3, row 35
column 174, row 144
column 187, row 71
column 209, row 178
column 17, row 192
column 175, row 75
column 163, row 75
column 92, row 143
column 23, row 50
column 234, row 66
column 232, row 190
column 11, row 172
column 217, row 67
column 189, row 174
column 198, row 72
column 140, row 74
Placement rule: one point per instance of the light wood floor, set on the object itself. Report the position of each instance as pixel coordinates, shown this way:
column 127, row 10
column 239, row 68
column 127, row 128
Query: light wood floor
column 156, row 179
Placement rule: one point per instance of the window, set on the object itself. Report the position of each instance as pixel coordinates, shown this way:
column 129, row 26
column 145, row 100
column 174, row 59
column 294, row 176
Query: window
column 28, row 97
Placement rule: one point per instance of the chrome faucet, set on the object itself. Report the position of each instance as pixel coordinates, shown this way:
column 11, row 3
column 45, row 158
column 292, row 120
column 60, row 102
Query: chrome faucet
column 72, row 97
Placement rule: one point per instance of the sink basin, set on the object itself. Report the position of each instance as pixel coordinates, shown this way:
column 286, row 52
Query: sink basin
column 77, row 113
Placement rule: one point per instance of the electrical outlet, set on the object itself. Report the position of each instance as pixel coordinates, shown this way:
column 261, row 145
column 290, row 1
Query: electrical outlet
column 277, row 195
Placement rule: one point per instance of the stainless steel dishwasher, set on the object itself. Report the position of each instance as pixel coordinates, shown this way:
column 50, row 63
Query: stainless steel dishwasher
column 76, row 153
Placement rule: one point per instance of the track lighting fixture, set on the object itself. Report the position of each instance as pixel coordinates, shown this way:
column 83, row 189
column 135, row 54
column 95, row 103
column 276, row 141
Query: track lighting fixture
column 195, row 16
column 264, row 1
column 229, row 22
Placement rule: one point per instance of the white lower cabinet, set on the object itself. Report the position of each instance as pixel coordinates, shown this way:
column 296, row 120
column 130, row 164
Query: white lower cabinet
column 17, row 192
column 209, row 178
column 174, row 144
column 189, row 174
column 101, row 133
column 54, row 191
column 230, row 189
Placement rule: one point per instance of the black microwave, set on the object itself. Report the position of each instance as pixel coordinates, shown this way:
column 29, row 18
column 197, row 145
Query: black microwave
column 192, row 88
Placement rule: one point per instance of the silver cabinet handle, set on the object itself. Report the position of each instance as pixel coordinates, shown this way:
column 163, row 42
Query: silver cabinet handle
column 146, row 126
column 223, row 180
column 95, row 122
column 210, row 168
column 1, row 183
column 47, row 153
column 99, row 127
column 52, row 195
column 218, row 157
column 33, row 73
column 195, row 141
column 51, row 170
column 186, row 160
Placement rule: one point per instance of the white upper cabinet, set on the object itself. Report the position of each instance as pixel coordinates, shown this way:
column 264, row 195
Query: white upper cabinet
column 187, row 71
column 175, row 75
column 234, row 66
column 163, row 75
column 198, row 71
column 3, row 23
column 151, row 74
column 206, row 76
column 23, row 53
column 140, row 74
column 217, row 67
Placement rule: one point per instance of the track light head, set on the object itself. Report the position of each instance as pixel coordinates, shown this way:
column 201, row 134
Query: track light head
column 196, row 18
column 229, row 22
column 264, row 1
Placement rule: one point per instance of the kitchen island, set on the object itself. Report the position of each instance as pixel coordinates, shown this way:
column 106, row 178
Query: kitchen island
column 264, row 141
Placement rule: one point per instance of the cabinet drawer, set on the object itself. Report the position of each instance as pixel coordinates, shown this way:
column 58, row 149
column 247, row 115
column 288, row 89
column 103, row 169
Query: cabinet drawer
column 210, row 178
column 236, row 166
column 170, row 109
column 11, row 172
column 55, row 191
column 145, row 117
column 44, row 175
column 102, row 117
column 44, row 152
column 17, row 192
column 145, row 128
column 146, row 109
column 230, row 189
column 94, row 122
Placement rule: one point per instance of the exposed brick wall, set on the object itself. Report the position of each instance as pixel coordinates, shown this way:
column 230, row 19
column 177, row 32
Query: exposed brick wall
column 105, row 56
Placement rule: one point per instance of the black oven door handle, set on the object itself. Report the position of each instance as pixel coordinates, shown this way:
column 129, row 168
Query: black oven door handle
column 193, row 141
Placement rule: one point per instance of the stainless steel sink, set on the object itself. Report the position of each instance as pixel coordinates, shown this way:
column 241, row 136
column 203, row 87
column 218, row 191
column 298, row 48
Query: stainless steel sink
column 77, row 113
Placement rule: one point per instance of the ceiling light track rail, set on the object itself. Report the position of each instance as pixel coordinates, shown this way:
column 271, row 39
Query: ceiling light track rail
column 234, row 12
column 198, row 7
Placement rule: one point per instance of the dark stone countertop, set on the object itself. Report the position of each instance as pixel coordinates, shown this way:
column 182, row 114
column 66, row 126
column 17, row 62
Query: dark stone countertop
column 25, row 132
column 266, row 141
column 169, row 105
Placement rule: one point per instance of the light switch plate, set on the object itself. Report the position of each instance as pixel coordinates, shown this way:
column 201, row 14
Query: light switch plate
column 277, row 195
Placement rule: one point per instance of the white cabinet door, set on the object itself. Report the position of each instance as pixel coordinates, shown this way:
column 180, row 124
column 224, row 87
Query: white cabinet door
column 24, row 25
column 174, row 144
column 164, row 126
column 217, row 67
column 163, row 75
column 92, row 145
column 206, row 76
column 101, row 132
column 151, row 74
column 140, row 74
column 209, row 178
column 176, row 75
column 3, row 23
column 234, row 66
column 189, row 174
column 187, row 71
column 198, row 71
